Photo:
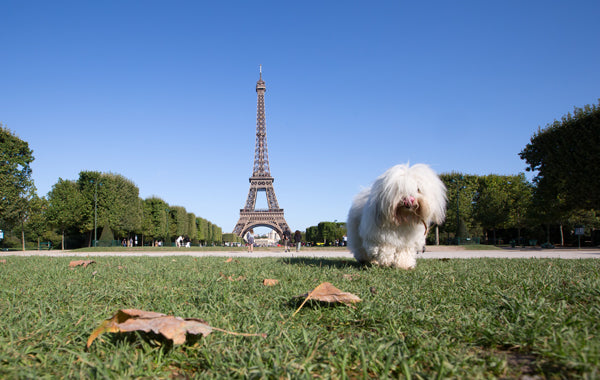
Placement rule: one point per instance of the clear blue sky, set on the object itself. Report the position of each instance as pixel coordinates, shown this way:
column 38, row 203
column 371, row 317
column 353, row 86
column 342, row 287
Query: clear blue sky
column 163, row 92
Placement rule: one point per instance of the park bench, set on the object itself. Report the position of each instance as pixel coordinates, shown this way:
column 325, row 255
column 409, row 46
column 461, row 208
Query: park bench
column 45, row 245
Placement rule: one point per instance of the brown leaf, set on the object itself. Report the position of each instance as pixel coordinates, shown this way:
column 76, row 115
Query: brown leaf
column 173, row 328
column 230, row 278
column 3, row 261
column 77, row 263
column 270, row 282
column 326, row 292
column 350, row 276
column 229, row 260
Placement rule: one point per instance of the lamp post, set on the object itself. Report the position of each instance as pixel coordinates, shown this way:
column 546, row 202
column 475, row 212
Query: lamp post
column 458, row 188
column 167, row 234
column 95, row 210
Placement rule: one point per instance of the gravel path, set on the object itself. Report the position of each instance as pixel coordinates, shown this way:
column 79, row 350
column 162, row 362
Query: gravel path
column 440, row 252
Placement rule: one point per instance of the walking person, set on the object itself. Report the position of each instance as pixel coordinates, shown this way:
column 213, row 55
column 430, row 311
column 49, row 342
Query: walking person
column 287, row 235
column 298, row 240
column 250, row 240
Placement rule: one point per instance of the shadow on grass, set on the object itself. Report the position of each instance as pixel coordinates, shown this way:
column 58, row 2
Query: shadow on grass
column 324, row 262
column 147, row 341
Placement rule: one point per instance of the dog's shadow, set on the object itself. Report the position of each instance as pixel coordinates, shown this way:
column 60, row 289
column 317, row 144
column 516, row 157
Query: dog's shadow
column 324, row 262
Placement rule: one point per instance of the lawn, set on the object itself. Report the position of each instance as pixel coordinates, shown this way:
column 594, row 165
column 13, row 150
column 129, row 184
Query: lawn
column 476, row 318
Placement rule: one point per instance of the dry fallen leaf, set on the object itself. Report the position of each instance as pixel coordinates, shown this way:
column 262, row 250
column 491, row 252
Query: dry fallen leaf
column 173, row 328
column 326, row 292
column 229, row 260
column 3, row 261
column 270, row 282
column 230, row 278
column 77, row 263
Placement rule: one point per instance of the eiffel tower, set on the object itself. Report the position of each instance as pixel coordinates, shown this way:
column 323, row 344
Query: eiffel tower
column 261, row 179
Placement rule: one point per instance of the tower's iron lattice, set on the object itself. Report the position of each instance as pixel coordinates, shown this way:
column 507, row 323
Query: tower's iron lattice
column 261, row 180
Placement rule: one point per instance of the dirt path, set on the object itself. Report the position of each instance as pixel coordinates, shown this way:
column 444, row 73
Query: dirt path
column 433, row 252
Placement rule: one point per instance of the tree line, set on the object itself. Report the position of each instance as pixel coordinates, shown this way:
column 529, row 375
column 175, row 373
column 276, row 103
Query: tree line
column 563, row 196
column 97, row 208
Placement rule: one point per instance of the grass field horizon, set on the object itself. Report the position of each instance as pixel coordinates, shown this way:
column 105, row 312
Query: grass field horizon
column 482, row 247
column 477, row 318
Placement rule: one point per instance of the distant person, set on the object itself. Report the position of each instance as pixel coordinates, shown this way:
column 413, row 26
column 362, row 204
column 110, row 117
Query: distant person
column 178, row 241
column 298, row 240
column 250, row 240
column 287, row 235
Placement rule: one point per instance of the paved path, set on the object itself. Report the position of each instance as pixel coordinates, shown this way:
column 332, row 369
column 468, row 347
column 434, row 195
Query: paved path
column 440, row 252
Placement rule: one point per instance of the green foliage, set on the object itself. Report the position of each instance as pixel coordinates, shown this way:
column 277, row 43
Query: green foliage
column 66, row 207
column 461, row 192
column 106, row 237
column 565, row 155
column 95, row 199
column 117, row 201
column 202, row 229
column 16, row 184
column 154, row 224
column 326, row 232
column 36, row 224
column 178, row 222
column 191, row 230
column 231, row 238
column 485, row 203
column 217, row 234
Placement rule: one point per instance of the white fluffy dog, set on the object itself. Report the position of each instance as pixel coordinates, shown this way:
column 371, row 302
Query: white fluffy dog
column 388, row 222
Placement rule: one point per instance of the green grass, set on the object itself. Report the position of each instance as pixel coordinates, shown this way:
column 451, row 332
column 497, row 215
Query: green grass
column 481, row 247
column 476, row 318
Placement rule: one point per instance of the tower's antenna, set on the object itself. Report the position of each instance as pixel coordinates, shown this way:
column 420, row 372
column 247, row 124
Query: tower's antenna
column 260, row 71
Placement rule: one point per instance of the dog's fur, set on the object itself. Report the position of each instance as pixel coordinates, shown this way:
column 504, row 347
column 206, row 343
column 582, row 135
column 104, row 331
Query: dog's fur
column 388, row 222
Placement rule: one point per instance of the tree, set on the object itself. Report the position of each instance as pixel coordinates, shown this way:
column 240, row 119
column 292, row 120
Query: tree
column 118, row 197
column 312, row 234
column 519, row 200
column 565, row 156
column 209, row 232
column 178, row 221
column 461, row 192
column 491, row 209
column 16, row 185
column 154, row 224
column 502, row 202
column 231, row 238
column 202, row 229
column 34, row 226
column 65, row 207
column 110, row 200
column 216, row 234
column 191, row 229
column 326, row 232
